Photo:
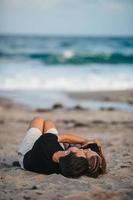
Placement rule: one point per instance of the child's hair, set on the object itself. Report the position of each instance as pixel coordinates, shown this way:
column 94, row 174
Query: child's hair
column 97, row 166
column 97, row 163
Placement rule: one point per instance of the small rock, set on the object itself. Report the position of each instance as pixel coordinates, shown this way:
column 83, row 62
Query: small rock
column 130, row 101
column 79, row 124
column 58, row 105
column 78, row 107
column 108, row 109
column 65, row 121
column 111, row 109
column 34, row 187
column 125, row 154
column 26, row 197
column 98, row 122
column 124, row 166
column 2, row 121
column 106, row 99
column 40, row 110
column 40, row 193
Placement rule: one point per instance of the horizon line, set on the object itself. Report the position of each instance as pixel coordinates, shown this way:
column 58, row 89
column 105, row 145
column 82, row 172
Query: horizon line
column 64, row 35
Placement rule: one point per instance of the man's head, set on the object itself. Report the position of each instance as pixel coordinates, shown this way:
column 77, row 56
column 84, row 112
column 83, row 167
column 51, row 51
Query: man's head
column 81, row 162
column 72, row 166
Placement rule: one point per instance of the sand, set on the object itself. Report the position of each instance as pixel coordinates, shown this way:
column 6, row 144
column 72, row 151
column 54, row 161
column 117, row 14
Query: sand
column 115, row 96
column 113, row 127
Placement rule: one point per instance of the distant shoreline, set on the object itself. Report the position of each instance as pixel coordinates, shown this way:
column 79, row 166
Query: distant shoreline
column 114, row 95
column 108, row 100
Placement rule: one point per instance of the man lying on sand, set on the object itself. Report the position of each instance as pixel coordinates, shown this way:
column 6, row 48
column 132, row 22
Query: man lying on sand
column 45, row 151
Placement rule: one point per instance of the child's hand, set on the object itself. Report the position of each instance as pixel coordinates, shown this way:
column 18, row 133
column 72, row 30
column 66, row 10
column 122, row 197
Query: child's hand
column 94, row 141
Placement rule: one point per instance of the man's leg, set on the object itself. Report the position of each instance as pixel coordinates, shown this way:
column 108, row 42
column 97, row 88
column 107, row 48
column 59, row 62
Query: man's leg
column 37, row 122
column 34, row 131
column 49, row 125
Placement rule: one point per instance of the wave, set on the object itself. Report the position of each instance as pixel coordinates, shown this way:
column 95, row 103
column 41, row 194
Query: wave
column 64, row 84
column 16, row 75
column 70, row 57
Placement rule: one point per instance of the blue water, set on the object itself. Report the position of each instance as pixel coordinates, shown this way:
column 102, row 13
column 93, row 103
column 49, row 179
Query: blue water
column 68, row 50
column 60, row 64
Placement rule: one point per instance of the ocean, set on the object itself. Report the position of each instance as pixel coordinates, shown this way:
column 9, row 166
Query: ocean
column 44, row 68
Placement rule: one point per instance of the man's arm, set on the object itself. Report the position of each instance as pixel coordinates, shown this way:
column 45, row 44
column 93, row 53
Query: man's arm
column 71, row 139
column 75, row 139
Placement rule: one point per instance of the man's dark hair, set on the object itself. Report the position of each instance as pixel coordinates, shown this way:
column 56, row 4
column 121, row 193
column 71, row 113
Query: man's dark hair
column 72, row 166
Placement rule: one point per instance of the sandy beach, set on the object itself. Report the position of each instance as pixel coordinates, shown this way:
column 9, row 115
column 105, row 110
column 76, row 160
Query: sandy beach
column 113, row 128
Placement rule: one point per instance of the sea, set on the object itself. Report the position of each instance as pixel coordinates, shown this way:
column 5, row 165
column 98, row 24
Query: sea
column 39, row 71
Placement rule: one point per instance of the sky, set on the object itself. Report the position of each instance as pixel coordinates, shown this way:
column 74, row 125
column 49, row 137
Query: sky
column 66, row 17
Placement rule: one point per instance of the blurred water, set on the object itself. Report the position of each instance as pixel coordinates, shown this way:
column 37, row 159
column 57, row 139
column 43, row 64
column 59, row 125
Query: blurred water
column 55, row 65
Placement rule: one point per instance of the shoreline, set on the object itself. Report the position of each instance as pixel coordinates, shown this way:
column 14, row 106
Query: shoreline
column 111, row 100
column 114, row 95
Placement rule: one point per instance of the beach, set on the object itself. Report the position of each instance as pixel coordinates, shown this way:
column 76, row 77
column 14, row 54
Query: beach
column 113, row 127
column 70, row 62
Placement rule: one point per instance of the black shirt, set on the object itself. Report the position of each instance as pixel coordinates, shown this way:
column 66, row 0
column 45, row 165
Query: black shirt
column 39, row 158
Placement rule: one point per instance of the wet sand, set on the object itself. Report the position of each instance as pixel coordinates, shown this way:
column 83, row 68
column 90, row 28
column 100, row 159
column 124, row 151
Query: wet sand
column 113, row 127
column 117, row 96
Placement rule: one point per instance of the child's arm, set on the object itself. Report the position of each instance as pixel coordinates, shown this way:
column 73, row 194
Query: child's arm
column 95, row 144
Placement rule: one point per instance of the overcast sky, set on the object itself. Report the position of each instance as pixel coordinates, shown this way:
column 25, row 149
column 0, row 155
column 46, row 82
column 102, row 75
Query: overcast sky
column 73, row 17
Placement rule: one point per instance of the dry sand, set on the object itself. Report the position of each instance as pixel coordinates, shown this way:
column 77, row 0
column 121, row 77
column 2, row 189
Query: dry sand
column 114, row 128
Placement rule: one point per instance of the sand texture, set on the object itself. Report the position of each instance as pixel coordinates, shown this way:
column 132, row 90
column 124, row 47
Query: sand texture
column 113, row 127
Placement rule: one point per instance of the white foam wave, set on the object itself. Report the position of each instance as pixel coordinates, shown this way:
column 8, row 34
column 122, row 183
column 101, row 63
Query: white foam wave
column 68, row 54
column 28, row 75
